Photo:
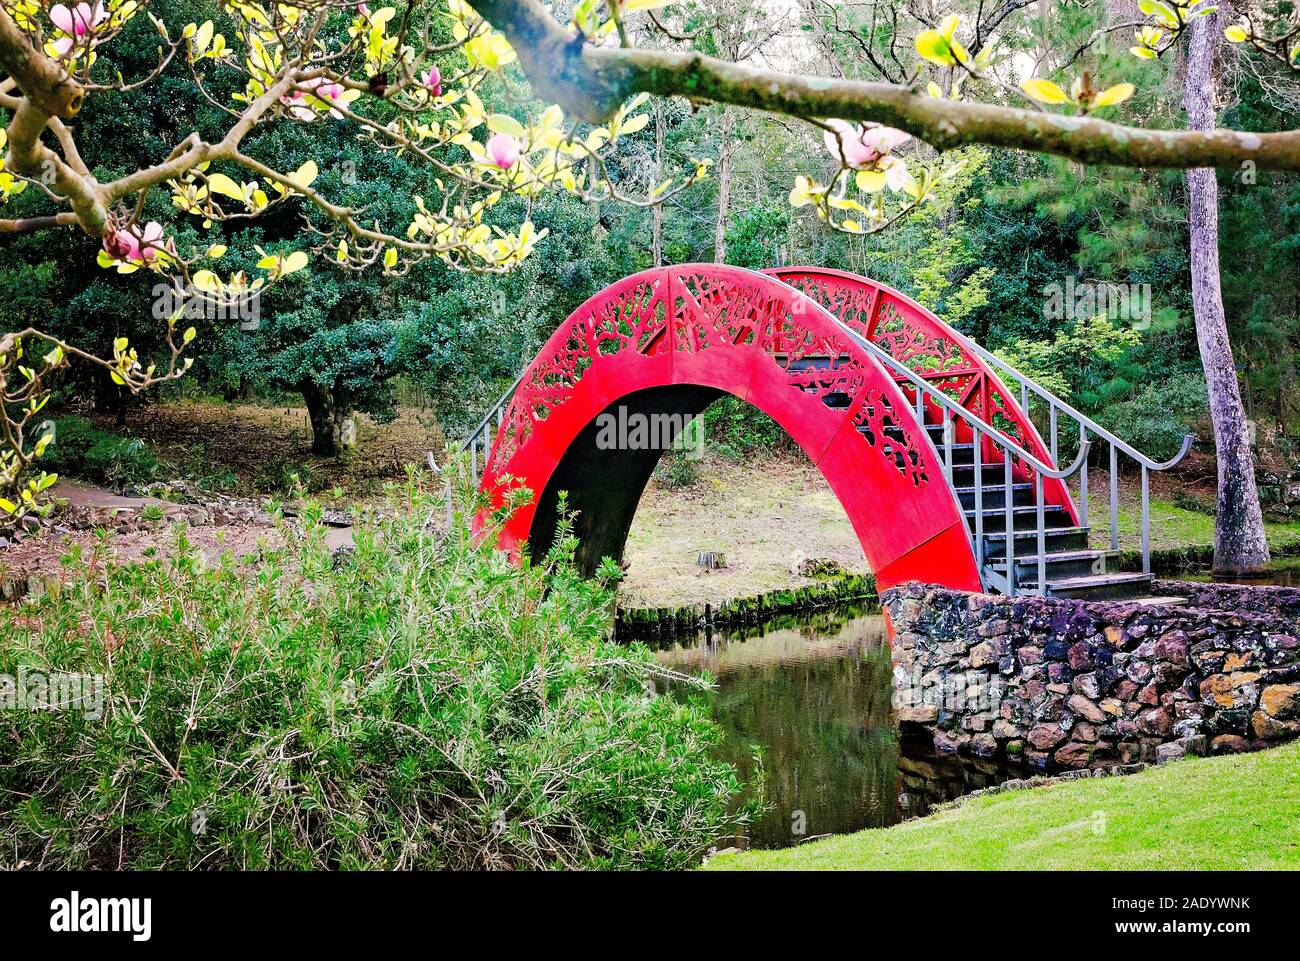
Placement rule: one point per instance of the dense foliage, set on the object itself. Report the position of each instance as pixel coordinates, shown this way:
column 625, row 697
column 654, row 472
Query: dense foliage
column 417, row 702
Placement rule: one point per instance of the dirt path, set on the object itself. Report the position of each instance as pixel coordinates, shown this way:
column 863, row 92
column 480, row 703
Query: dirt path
column 765, row 516
column 135, row 532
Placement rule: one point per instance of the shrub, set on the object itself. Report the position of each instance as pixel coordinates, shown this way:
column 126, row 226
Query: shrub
column 1156, row 419
column 676, row 469
column 419, row 703
column 83, row 450
column 737, row 430
column 286, row 479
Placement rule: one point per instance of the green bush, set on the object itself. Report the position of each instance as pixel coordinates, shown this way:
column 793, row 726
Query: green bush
column 676, row 470
column 83, row 450
column 285, row 478
column 737, row 430
column 418, row 703
column 1158, row 416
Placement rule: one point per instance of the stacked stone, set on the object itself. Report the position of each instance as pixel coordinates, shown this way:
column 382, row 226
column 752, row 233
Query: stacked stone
column 1067, row 684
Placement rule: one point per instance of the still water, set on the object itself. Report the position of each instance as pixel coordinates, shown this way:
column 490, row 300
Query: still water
column 1283, row 572
column 812, row 695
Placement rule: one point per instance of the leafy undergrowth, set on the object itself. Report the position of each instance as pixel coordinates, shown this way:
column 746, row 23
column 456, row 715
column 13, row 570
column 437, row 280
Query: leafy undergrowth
column 249, row 449
column 417, row 702
column 1240, row 812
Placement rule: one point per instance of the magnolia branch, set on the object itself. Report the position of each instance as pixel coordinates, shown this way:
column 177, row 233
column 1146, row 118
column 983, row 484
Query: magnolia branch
column 591, row 82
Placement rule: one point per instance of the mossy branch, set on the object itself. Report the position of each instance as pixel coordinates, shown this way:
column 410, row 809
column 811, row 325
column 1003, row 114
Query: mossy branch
column 591, row 82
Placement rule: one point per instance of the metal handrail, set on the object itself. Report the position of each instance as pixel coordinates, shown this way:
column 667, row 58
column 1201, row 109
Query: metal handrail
column 484, row 429
column 1086, row 424
column 1011, row 453
column 1027, row 383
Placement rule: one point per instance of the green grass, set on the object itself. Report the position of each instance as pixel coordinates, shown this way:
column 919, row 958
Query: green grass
column 1240, row 812
column 1173, row 527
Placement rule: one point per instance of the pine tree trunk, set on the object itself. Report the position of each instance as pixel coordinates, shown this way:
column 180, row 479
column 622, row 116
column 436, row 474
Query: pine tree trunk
column 657, row 211
column 1239, row 543
column 326, row 418
column 724, row 187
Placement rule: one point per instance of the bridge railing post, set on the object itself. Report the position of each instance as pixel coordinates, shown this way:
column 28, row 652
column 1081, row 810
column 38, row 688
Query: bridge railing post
column 1114, row 499
column 947, row 442
column 1083, row 481
column 1042, row 534
column 979, row 499
column 1009, row 513
column 1146, row 521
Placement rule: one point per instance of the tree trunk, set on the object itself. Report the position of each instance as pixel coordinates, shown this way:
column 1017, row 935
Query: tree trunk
column 326, row 416
column 657, row 211
column 1239, row 544
column 724, row 186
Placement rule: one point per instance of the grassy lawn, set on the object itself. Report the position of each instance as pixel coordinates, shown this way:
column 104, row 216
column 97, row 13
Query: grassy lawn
column 1197, row 814
column 1172, row 527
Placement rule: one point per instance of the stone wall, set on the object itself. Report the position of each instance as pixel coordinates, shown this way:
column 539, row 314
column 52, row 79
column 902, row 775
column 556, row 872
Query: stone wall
column 1066, row 684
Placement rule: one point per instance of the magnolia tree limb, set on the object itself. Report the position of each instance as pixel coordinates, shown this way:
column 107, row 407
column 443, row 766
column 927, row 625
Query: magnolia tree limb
column 591, row 82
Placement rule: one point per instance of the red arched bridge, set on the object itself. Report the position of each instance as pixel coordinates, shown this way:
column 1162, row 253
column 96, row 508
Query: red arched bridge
column 939, row 466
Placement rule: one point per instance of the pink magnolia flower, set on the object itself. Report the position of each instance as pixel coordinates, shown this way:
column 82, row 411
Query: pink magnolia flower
column 135, row 245
column 432, row 81
column 897, row 175
column 503, row 151
column 76, row 23
column 321, row 88
column 862, row 147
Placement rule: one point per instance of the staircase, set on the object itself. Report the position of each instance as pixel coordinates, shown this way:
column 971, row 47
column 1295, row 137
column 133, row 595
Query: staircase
column 1029, row 532
column 1069, row 567
column 1024, row 542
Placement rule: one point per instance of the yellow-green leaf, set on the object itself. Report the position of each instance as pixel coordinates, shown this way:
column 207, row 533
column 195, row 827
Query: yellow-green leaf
column 1236, row 33
column 221, row 184
column 870, row 181
column 632, row 6
column 504, row 123
column 306, row 174
column 1113, row 95
column 1044, row 91
column 934, row 46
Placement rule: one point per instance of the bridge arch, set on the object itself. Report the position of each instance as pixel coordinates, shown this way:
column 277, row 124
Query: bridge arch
column 933, row 349
column 670, row 341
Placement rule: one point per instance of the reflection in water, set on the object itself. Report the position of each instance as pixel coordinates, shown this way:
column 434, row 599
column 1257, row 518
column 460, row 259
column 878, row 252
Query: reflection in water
column 813, row 696
column 1283, row 572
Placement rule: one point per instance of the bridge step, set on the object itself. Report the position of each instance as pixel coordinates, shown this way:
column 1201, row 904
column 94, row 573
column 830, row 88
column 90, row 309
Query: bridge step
column 1023, row 518
column 1151, row 600
column 1060, row 564
column 995, row 495
column 1056, row 539
column 1098, row 587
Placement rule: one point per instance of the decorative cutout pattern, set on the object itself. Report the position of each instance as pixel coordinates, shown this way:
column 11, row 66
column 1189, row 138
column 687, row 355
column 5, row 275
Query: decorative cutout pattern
column 634, row 318
column 879, row 424
column 694, row 309
column 853, row 305
column 926, row 346
column 924, row 351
